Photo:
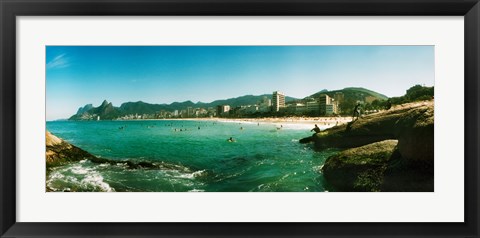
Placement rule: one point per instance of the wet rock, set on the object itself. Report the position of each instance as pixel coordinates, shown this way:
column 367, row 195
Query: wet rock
column 361, row 168
column 59, row 152
column 412, row 124
column 407, row 167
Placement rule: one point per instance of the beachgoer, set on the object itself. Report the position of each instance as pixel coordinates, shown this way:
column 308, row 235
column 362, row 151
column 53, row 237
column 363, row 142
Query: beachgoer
column 231, row 139
column 356, row 111
column 316, row 129
column 389, row 104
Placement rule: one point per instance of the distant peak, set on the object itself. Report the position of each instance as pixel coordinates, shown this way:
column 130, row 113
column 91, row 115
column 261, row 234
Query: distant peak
column 104, row 103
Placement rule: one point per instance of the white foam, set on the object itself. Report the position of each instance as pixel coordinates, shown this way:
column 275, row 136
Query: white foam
column 56, row 175
column 190, row 175
column 78, row 169
column 96, row 180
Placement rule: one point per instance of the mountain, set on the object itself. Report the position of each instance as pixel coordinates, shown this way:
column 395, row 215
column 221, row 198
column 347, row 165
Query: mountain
column 107, row 111
column 367, row 91
column 244, row 100
column 352, row 93
column 141, row 108
column 87, row 107
column 351, row 96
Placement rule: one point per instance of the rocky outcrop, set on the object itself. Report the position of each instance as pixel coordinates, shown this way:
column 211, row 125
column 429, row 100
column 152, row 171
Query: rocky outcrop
column 411, row 124
column 361, row 168
column 59, row 152
column 84, row 109
column 410, row 169
column 106, row 111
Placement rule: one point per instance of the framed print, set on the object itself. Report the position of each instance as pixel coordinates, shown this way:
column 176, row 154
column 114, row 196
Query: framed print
column 257, row 118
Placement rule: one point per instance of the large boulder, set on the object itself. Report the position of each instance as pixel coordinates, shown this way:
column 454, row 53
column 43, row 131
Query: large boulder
column 375, row 163
column 361, row 168
column 59, row 152
column 412, row 124
column 415, row 133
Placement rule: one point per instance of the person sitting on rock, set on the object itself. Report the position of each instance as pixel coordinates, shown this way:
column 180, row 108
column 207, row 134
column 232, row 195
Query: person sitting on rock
column 316, row 129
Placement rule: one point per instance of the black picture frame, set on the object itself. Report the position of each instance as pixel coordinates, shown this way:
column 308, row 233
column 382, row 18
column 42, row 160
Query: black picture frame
column 10, row 9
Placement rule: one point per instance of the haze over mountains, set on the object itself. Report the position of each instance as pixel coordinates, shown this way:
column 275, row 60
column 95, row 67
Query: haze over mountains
column 106, row 111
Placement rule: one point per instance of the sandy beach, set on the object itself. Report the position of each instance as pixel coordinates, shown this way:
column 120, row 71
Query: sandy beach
column 281, row 122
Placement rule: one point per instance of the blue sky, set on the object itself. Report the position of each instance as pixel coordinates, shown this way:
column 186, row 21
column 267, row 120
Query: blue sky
column 79, row 75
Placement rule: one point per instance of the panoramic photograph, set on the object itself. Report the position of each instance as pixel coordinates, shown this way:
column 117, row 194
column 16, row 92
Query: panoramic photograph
column 239, row 118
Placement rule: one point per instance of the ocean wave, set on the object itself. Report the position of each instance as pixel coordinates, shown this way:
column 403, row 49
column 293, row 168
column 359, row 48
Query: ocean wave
column 189, row 175
column 77, row 177
column 96, row 180
column 78, row 169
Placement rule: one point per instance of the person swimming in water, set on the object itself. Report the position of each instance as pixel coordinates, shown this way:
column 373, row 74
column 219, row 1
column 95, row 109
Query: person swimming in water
column 231, row 139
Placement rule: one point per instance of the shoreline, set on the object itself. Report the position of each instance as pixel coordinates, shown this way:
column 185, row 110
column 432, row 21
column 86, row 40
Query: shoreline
column 286, row 120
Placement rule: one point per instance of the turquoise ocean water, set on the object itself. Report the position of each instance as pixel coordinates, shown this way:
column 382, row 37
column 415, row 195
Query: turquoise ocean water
column 264, row 157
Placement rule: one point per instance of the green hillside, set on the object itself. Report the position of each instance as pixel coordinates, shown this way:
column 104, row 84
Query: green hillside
column 351, row 96
column 108, row 112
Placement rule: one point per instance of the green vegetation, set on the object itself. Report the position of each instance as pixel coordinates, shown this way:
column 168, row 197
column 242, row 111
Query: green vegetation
column 414, row 94
column 351, row 96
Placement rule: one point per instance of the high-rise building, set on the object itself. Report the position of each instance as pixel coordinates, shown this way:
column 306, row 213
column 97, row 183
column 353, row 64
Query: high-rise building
column 313, row 106
column 328, row 105
column 222, row 109
column 189, row 111
column 330, row 109
column 278, row 101
column 323, row 101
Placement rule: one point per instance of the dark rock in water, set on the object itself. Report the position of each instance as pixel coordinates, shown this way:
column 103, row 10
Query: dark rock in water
column 306, row 140
column 59, row 152
column 361, row 168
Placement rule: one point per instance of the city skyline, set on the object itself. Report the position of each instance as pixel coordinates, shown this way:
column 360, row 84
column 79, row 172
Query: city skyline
column 80, row 75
